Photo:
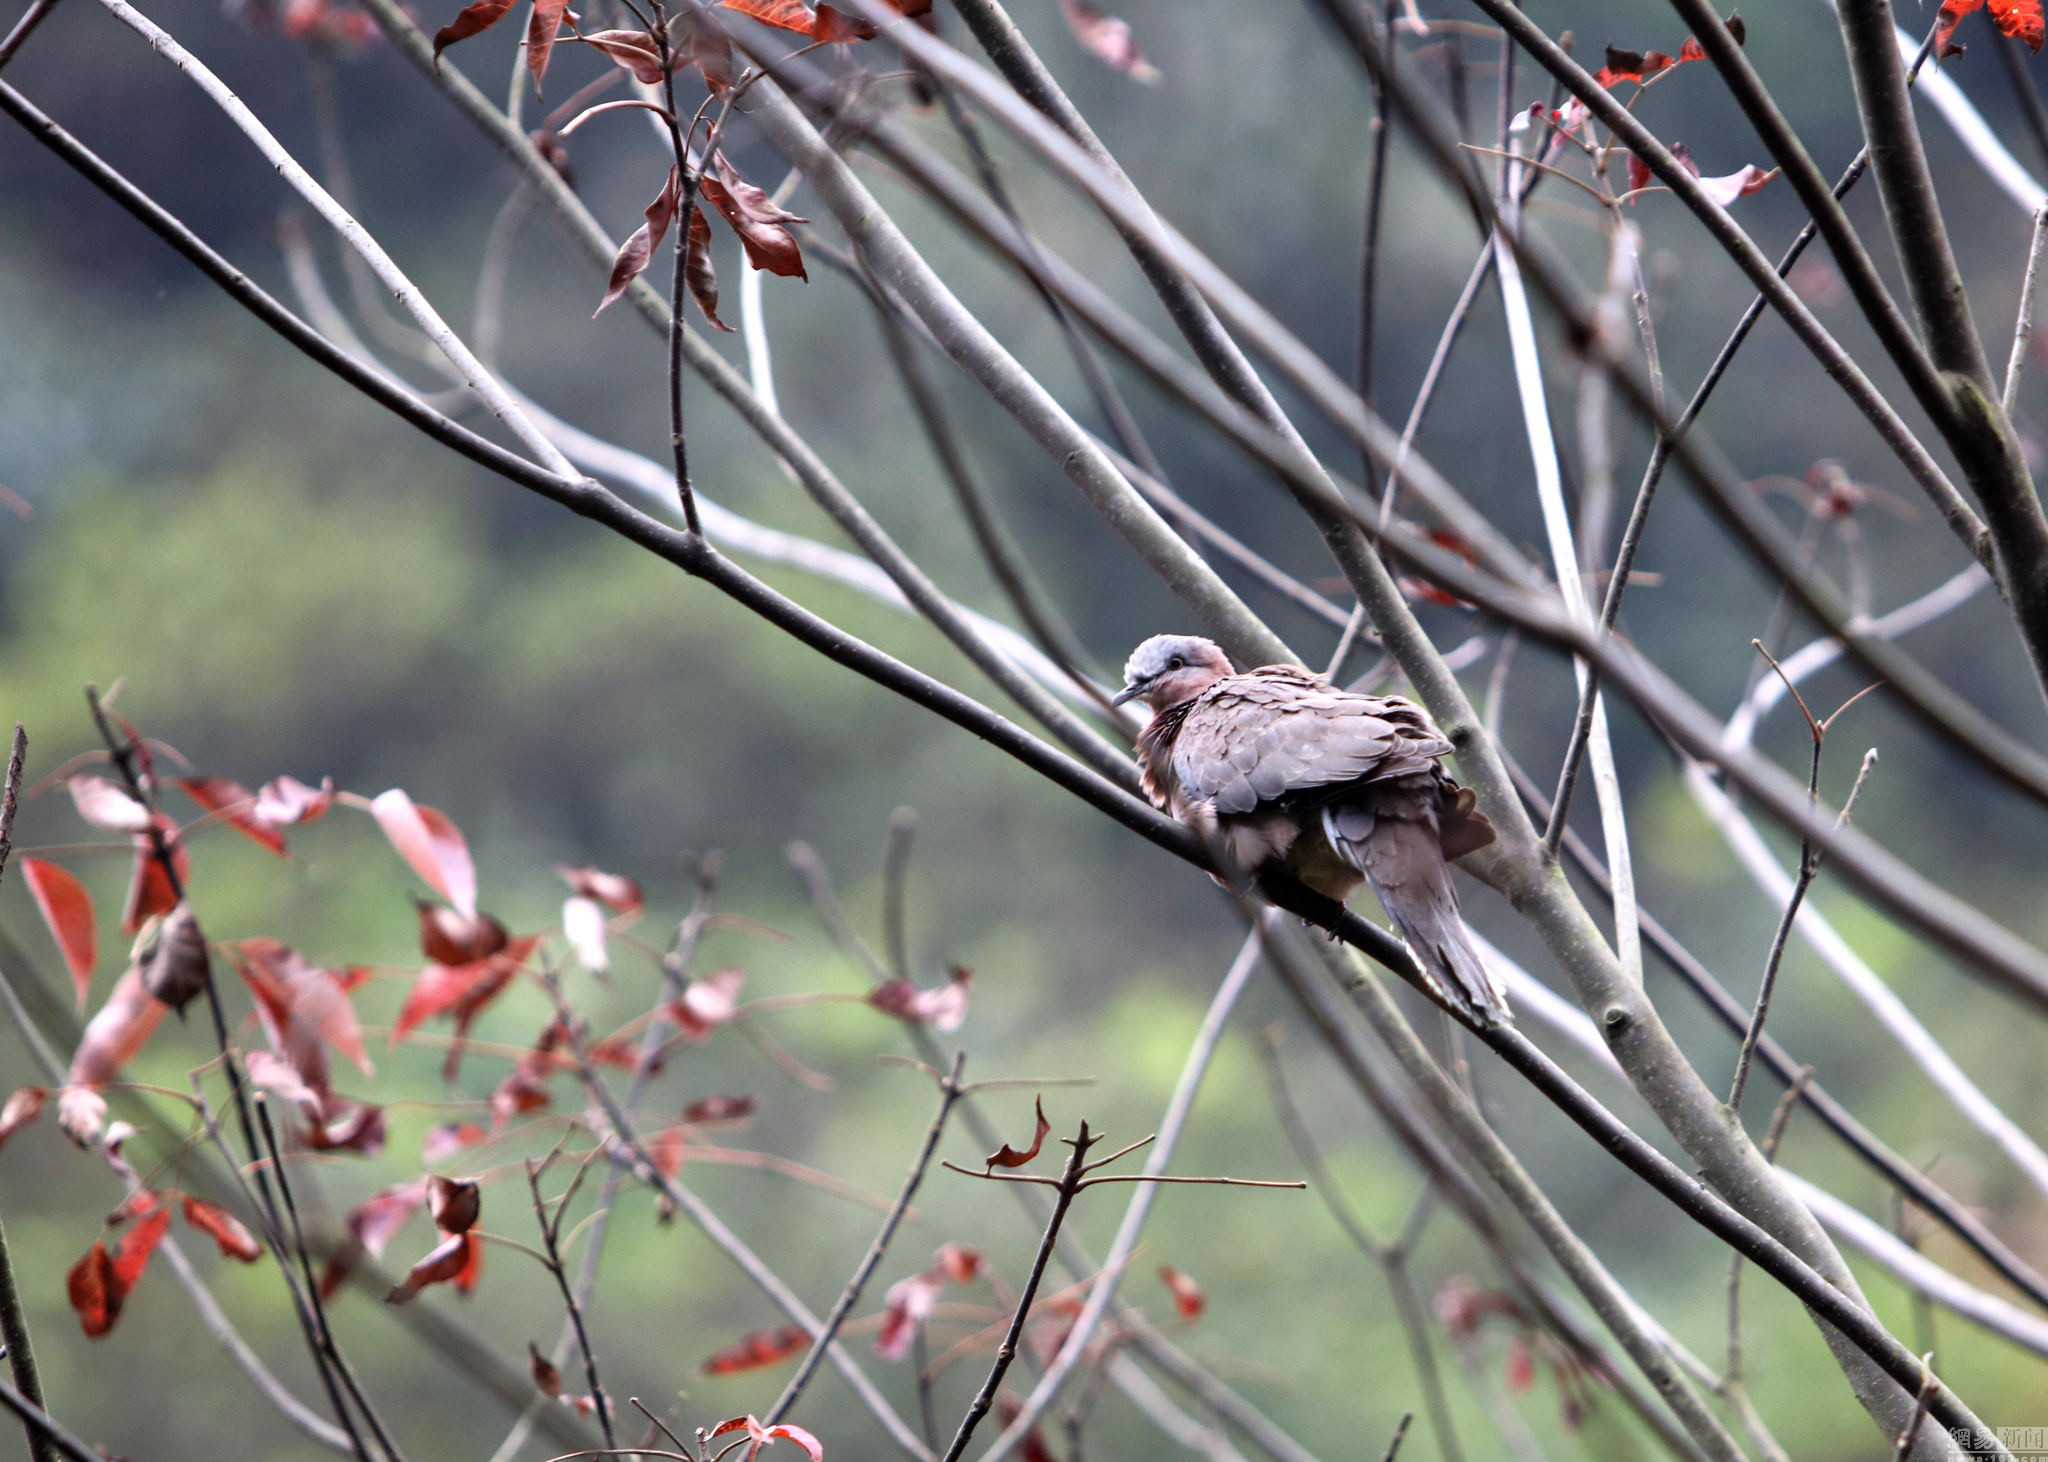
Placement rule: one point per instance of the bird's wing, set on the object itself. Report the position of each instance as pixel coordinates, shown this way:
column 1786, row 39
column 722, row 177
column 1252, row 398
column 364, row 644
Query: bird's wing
column 1255, row 738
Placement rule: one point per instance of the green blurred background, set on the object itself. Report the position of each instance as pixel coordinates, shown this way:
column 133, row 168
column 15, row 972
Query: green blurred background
column 285, row 580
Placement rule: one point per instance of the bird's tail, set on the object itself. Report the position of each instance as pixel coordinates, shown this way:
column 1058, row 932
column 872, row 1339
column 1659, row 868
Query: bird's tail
column 1403, row 861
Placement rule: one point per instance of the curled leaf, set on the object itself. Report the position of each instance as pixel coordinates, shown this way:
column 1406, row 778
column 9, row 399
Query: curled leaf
column 698, row 273
column 100, row 1283
column 908, row 1303
column 451, row 937
column 638, row 250
column 762, row 1436
column 631, row 50
column 454, row 1204
column 67, row 912
column 757, row 218
column 471, row 20
column 175, row 969
column 1009, row 1157
column 546, row 1378
column 960, row 1263
column 447, row 1261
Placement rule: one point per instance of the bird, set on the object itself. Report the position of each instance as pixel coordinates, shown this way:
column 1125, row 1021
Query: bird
column 1337, row 788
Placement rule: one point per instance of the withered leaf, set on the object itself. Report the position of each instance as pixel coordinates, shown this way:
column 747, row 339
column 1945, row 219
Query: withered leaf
column 541, row 29
column 757, row 219
column 701, row 277
column 451, row 1259
column 1009, row 1157
column 638, row 250
column 176, row 969
column 451, row 937
column 455, row 1204
column 472, row 20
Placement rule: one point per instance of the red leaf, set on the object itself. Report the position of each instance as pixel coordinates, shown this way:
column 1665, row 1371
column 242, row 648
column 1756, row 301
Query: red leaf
column 615, row 891
column 708, row 1003
column 764, row 1436
column 944, row 1007
column 93, row 1293
column 1032, row 1448
column 176, row 969
column 348, row 1127
column 67, row 910
column 473, row 20
column 100, row 1283
column 448, row 1260
column 1108, row 39
column 702, row 41
column 719, row 1109
column 103, row 804
column 288, row 802
column 454, row 1204
column 431, row 844
column 1639, row 175
column 150, row 891
column 463, row 990
column 960, row 1263
column 698, row 273
column 1009, row 1157
column 757, row 219
column 450, row 937
column 444, row 1141
column 22, row 1108
column 782, row 14
column 1521, row 1366
column 236, row 1242
column 665, row 1150
column 829, row 27
column 909, row 1301
column 117, row 1032
column 472, row 1270
column 2020, row 19
column 546, row 1378
column 757, row 1349
column 638, row 250
column 541, row 30
column 236, row 805
column 371, row 1225
column 297, row 998
column 1187, row 1295
column 1692, row 50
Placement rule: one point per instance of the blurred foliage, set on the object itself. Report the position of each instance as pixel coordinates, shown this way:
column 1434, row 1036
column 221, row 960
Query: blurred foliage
column 283, row 580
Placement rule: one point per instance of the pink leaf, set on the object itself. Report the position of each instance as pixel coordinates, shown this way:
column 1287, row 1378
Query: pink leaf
column 583, row 927
column 103, row 804
column 22, row 1108
column 431, row 844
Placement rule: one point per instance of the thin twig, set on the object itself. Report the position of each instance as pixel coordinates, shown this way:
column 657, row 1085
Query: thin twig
column 1069, row 1185
column 2023, row 326
column 1904, row 1448
column 42, row 1427
column 13, row 1322
column 949, row 1092
column 550, row 1233
column 30, row 19
column 1400, row 1434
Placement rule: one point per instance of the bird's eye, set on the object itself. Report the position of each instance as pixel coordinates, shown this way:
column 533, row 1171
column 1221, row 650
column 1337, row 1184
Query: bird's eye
column 1174, row 663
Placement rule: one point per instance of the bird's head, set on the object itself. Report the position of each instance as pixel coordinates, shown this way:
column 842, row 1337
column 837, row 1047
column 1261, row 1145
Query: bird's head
column 1169, row 669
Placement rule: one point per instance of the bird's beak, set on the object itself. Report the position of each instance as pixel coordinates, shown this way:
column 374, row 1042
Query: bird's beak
column 1130, row 692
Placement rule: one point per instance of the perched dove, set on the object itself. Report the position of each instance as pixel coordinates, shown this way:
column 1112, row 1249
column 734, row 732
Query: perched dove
column 1333, row 787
